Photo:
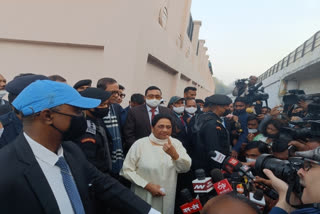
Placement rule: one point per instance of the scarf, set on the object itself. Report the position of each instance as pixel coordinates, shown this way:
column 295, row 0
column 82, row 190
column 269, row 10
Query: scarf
column 158, row 141
column 117, row 157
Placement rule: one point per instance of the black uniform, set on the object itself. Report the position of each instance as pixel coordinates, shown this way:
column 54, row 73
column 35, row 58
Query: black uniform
column 95, row 145
column 208, row 134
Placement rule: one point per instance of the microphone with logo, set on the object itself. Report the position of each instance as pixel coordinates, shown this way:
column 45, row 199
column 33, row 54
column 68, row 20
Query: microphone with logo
column 258, row 198
column 231, row 165
column 191, row 205
column 221, row 184
column 239, row 184
column 202, row 185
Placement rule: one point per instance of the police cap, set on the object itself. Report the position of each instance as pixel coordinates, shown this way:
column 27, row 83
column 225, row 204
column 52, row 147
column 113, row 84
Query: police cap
column 96, row 93
column 218, row 99
column 16, row 85
column 82, row 83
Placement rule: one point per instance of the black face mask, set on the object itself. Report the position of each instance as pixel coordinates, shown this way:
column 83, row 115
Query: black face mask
column 273, row 136
column 77, row 128
column 238, row 112
column 100, row 112
column 226, row 112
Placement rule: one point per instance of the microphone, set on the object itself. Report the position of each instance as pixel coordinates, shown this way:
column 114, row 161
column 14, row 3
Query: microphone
column 258, row 199
column 221, row 184
column 191, row 205
column 231, row 165
column 202, row 184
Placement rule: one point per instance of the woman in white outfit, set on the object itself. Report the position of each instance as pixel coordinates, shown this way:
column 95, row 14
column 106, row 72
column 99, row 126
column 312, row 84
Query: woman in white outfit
column 153, row 163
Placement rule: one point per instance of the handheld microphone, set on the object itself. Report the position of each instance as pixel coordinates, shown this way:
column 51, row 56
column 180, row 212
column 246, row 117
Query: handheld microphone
column 221, row 184
column 258, row 199
column 202, row 184
column 231, row 165
column 191, row 205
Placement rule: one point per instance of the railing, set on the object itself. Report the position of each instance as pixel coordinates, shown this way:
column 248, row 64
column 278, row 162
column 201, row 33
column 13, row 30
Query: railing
column 307, row 47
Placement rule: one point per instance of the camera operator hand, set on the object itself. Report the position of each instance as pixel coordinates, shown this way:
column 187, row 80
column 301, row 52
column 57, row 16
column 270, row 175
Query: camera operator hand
column 299, row 145
column 258, row 180
column 275, row 111
column 260, row 117
column 281, row 187
column 303, row 105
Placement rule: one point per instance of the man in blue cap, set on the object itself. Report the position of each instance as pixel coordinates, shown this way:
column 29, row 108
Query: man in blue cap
column 44, row 171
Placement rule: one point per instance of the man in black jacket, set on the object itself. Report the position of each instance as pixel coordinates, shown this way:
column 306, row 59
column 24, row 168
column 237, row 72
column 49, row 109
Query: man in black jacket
column 44, row 174
column 209, row 133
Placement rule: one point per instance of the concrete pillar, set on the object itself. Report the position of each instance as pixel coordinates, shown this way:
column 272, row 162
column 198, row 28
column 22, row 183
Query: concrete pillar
column 195, row 36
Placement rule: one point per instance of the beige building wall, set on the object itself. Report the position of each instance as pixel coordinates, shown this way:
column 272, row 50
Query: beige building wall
column 139, row 43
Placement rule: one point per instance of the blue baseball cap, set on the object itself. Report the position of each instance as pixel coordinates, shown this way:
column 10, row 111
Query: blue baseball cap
column 44, row 94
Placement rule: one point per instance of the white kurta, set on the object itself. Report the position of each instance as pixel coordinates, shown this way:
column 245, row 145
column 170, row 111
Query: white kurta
column 147, row 163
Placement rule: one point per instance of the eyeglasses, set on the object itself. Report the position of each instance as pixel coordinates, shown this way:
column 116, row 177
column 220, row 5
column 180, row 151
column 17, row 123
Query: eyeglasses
column 122, row 95
column 152, row 96
column 115, row 92
column 308, row 164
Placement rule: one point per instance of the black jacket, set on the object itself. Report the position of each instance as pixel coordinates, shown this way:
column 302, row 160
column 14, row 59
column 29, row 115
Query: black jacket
column 24, row 188
column 12, row 127
column 208, row 134
column 95, row 144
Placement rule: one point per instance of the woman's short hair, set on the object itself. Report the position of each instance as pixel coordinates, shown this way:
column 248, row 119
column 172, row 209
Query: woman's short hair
column 277, row 123
column 160, row 116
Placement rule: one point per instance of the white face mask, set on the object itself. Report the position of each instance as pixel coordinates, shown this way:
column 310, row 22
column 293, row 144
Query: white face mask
column 191, row 110
column 201, row 109
column 249, row 160
column 2, row 93
column 153, row 103
column 252, row 131
column 178, row 110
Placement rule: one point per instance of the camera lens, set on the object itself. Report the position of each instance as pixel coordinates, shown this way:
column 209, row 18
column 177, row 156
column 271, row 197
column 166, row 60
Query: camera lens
column 280, row 168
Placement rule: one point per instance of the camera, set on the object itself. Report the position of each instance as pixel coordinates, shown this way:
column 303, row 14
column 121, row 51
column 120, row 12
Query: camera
column 297, row 134
column 286, row 170
column 241, row 82
column 255, row 94
column 294, row 96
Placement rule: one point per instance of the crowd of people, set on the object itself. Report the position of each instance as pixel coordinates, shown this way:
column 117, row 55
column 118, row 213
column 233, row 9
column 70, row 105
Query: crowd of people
column 81, row 149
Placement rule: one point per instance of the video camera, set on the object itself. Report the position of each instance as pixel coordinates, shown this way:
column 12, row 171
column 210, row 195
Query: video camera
column 255, row 94
column 286, row 170
column 296, row 95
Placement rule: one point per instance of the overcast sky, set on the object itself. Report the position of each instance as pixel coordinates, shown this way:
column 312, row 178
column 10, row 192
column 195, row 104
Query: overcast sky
column 247, row 37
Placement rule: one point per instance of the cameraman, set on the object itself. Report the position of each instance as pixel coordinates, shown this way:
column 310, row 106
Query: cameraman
column 309, row 179
column 242, row 87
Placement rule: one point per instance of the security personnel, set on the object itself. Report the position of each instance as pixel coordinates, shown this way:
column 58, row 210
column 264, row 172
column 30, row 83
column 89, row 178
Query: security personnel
column 82, row 85
column 209, row 133
column 94, row 143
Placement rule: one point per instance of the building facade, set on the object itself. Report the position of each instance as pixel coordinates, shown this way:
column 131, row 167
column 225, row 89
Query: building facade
column 139, row 43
